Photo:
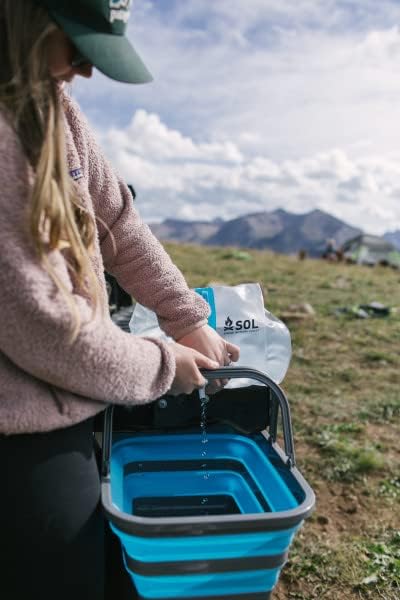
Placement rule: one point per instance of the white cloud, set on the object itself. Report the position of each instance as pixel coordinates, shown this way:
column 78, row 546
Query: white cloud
column 147, row 135
column 258, row 104
column 177, row 176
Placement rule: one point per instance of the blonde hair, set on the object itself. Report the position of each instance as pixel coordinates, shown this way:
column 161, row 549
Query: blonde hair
column 31, row 101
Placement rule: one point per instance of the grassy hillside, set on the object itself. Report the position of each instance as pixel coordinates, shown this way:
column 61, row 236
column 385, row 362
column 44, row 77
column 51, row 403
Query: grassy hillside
column 344, row 388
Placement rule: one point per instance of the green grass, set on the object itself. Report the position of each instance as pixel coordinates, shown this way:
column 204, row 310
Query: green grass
column 343, row 385
column 347, row 455
column 390, row 488
column 356, row 567
column 381, row 564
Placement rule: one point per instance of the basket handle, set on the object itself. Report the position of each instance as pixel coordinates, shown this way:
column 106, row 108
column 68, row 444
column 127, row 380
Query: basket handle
column 221, row 373
column 250, row 373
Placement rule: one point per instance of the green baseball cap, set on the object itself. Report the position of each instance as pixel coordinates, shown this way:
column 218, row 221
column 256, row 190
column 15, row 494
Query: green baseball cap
column 97, row 29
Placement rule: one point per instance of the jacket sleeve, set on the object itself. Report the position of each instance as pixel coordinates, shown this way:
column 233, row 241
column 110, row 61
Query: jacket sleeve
column 130, row 251
column 103, row 363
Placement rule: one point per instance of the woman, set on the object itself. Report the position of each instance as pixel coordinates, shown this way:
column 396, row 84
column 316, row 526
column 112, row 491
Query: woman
column 65, row 217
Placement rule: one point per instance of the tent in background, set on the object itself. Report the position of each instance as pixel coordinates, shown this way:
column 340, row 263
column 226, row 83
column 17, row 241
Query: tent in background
column 371, row 250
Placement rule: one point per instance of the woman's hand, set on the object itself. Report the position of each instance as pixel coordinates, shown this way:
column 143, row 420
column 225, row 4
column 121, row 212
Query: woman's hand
column 207, row 341
column 187, row 374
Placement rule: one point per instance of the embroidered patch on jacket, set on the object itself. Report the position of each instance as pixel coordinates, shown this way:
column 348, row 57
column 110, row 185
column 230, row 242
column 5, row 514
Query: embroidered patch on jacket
column 120, row 10
column 76, row 173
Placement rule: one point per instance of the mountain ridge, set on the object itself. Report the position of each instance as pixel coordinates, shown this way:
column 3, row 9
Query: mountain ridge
column 277, row 230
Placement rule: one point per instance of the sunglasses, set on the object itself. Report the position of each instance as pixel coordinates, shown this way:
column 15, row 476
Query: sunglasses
column 78, row 60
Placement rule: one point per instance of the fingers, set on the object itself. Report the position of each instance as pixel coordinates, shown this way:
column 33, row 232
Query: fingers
column 187, row 369
column 195, row 378
column 204, row 362
column 209, row 343
column 216, row 385
column 233, row 351
column 197, row 384
column 186, row 385
column 189, row 361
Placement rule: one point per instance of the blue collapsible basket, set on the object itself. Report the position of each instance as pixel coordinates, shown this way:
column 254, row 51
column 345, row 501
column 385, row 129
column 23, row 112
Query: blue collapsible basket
column 207, row 520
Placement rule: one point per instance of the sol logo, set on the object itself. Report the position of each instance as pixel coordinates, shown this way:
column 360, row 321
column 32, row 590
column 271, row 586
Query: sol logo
column 239, row 325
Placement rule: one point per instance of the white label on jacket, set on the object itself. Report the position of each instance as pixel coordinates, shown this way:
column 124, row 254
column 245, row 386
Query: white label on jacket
column 76, row 173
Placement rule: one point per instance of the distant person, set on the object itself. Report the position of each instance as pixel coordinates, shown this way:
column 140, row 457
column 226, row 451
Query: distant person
column 302, row 254
column 330, row 252
column 64, row 217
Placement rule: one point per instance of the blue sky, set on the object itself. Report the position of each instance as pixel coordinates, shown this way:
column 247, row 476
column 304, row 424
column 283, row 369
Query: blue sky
column 258, row 104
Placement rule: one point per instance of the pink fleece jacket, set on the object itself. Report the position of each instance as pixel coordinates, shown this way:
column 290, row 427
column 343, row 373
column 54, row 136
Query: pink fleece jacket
column 45, row 382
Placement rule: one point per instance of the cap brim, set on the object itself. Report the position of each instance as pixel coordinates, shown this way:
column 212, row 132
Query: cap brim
column 111, row 54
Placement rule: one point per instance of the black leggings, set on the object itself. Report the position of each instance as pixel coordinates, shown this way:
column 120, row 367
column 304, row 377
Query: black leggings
column 51, row 527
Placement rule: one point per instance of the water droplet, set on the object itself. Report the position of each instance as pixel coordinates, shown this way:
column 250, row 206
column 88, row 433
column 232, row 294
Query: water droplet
column 203, row 427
